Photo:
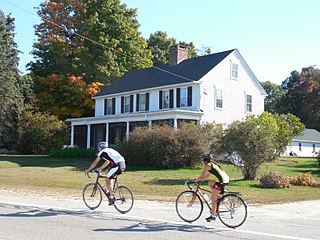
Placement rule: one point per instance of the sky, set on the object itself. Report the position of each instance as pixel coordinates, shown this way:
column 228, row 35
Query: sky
column 275, row 37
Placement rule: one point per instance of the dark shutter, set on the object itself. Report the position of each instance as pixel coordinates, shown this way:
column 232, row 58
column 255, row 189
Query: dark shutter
column 178, row 97
column 171, row 97
column 189, row 96
column 105, row 107
column 147, row 101
column 113, row 106
column 160, row 99
column 131, row 103
column 122, row 104
column 137, row 102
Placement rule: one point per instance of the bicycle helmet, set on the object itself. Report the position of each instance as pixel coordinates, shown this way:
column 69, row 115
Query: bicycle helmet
column 103, row 145
column 207, row 157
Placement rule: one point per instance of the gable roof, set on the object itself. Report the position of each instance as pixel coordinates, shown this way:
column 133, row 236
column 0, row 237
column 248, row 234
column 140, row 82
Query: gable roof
column 168, row 74
column 309, row 135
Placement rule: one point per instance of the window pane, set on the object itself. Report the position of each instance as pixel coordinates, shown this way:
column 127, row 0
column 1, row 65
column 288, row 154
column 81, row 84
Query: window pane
column 109, row 106
column 218, row 98
column 127, row 104
column 183, row 97
column 234, row 70
column 142, row 102
column 165, row 99
column 249, row 103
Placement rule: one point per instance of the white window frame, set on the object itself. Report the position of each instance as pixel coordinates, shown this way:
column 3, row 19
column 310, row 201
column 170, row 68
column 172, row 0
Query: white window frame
column 142, row 102
column 248, row 103
column 183, row 97
column 165, row 99
column 109, row 106
column 234, row 70
column 126, row 104
column 218, row 98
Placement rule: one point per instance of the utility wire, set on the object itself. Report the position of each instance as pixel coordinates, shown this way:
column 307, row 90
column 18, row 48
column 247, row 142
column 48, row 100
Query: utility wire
column 93, row 41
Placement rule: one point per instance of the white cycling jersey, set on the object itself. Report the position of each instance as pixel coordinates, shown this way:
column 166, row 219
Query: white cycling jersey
column 111, row 155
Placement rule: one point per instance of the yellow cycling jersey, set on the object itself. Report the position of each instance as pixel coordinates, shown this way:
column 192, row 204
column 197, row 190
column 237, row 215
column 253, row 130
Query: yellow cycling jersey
column 220, row 175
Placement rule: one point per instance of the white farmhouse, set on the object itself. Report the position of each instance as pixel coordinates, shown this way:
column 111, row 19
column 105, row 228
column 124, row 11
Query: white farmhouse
column 306, row 145
column 216, row 88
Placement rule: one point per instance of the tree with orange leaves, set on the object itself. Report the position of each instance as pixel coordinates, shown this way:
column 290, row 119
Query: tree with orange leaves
column 82, row 44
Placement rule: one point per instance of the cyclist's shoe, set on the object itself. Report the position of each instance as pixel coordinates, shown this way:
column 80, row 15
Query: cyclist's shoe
column 111, row 200
column 211, row 218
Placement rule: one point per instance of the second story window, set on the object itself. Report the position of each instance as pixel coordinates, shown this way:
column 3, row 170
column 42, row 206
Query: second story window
column 218, row 98
column 166, row 99
column 248, row 104
column 127, row 104
column 184, row 97
column 234, row 70
column 142, row 102
column 109, row 106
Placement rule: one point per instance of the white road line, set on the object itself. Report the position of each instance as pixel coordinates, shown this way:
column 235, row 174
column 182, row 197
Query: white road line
column 154, row 220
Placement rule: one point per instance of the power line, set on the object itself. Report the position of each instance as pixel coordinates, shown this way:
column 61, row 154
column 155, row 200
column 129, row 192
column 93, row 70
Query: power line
column 93, row 41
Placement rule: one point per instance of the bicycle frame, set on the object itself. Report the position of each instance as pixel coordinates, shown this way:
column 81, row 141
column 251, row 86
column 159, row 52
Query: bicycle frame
column 201, row 191
column 114, row 185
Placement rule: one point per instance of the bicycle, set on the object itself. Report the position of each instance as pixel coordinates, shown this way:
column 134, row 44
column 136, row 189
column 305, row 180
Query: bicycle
column 92, row 194
column 231, row 208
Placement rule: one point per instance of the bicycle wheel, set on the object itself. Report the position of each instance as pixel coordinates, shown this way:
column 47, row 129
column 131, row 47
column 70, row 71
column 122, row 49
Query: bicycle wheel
column 92, row 196
column 189, row 206
column 232, row 210
column 124, row 199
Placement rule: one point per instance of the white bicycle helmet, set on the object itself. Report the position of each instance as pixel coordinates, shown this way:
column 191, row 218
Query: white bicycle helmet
column 103, row 145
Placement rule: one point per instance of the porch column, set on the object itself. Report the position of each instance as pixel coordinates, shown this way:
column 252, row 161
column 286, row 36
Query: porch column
column 150, row 124
column 88, row 135
column 127, row 130
column 72, row 136
column 175, row 123
column 107, row 133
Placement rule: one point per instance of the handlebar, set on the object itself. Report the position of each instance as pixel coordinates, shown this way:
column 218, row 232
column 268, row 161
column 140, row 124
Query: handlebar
column 95, row 171
column 189, row 182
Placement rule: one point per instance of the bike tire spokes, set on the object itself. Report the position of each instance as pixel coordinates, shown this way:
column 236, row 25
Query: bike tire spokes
column 232, row 210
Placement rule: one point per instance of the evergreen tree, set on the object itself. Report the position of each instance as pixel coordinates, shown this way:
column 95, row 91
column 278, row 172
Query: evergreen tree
column 11, row 99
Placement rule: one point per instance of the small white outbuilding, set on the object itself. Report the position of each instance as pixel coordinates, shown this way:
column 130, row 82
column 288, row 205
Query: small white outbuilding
column 306, row 145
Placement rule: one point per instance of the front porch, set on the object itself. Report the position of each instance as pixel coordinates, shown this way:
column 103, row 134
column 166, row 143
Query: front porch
column 87, row 132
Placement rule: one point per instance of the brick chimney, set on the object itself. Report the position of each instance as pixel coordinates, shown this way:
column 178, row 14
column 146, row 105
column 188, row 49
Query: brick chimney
column 177, row 54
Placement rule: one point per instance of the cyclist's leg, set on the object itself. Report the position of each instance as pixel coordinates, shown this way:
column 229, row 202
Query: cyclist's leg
column 111, row 172
column 216, row 189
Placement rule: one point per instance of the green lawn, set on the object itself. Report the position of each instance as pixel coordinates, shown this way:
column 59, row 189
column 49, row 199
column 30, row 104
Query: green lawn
column 45, row 175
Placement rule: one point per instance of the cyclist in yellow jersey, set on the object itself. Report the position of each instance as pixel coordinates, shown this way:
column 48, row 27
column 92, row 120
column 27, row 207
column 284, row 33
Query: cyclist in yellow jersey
column 221, row 179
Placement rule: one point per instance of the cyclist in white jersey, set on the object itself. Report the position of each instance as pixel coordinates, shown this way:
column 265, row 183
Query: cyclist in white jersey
column 114, row 160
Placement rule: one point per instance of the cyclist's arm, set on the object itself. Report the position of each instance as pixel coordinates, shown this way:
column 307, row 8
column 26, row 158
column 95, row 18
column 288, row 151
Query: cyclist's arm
column 204, row 175
column 93, row 164
column 104, row 165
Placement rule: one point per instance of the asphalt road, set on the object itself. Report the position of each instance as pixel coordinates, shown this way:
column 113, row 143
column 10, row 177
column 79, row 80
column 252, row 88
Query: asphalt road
column 27, row 217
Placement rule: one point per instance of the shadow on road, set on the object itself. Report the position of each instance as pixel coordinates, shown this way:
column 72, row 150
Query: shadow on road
column 138, row 226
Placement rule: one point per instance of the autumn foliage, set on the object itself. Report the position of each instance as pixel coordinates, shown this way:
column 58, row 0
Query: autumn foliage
column 67, row 96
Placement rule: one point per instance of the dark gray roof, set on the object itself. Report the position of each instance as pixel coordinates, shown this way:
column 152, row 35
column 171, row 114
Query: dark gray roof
column 310, row 135
column 186, row 71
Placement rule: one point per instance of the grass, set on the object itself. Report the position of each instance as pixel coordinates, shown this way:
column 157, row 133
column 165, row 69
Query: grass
column 55, row 176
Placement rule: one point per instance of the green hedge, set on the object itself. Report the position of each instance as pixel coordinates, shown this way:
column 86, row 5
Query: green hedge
column 163, row 147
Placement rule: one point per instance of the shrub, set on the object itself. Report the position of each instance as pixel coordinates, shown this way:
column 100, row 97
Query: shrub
column 275, row 180
column 41, row 132
column 72, row 153
column 164, row 147
column 304, row 179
